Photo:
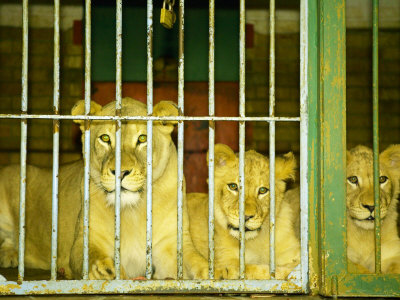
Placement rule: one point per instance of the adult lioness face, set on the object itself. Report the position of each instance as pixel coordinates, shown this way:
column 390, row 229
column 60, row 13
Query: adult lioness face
column 360, row 188
column 133, row 148
column 257, row 196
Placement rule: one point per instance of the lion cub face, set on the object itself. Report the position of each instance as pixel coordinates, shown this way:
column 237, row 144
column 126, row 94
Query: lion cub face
column 257, row 194
column 133, row 148
column 360, row 188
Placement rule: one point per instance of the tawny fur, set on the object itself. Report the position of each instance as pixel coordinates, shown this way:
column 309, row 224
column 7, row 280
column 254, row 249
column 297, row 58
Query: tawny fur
column 102, row 185
column 361, row 232
column 257, row 212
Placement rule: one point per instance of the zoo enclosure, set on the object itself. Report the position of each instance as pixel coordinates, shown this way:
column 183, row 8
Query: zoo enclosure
column 323, row 45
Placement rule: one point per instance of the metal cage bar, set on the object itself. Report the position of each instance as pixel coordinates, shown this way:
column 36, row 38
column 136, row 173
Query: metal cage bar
column 242, row 86
column 211, row 138
column 145, row 118
column 149, row 199
column 375, row 124
column 181, row 82
column 118, row 105
column 304, row 225
column 24, row 129
column 56, row 139
column 86, row 154
column 153, row 287
column 165, row 286
column 272, row 137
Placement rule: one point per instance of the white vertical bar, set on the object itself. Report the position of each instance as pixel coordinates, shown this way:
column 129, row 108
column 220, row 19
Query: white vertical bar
column 56, row 139
column 180, row 137
column 24, row 108
column 304, row 143
column 149, row 214
column 211, row 139
column 86, row 153
column 272, row 136
column 118, row 177
column 242, row 125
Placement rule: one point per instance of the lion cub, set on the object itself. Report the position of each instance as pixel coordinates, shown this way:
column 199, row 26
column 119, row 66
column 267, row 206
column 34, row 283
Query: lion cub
column 256, row 216
column 360, row 208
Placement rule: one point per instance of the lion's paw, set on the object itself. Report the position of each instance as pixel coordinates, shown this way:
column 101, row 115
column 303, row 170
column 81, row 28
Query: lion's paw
column 257, row 272
column 282, row 272
column 8, row 257
column 200, row 273
column 102, row 269
column 231, row 272
column 394, row 268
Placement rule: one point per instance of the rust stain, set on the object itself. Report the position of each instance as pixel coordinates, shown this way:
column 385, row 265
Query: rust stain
column 211, row 124
column 7, row 289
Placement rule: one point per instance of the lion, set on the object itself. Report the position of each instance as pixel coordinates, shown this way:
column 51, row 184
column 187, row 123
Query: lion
column 361, row 209
column 102, row 199
column 257, row 200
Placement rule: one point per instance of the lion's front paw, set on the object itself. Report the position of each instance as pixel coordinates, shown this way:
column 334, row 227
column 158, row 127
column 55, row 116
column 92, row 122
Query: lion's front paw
column 394, row 268
column 103, row 269
column 8, row 257
column 227, row 272
column 200, row 272
column 257, row 272
column 282, row 272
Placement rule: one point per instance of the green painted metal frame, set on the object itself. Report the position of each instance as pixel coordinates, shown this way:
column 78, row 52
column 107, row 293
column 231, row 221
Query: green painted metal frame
column 327, row 157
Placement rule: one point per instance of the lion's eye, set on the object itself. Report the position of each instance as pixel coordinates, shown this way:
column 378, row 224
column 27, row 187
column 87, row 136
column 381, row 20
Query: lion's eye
column 262, row 190
column 353, row 179
column 142, row 138
column 383, row 179
column 105, row 138
column 233, row 186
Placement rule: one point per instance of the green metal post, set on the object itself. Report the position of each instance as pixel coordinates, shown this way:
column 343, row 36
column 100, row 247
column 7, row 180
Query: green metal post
column 314, row 161
column 333, row 142
column 375, row 19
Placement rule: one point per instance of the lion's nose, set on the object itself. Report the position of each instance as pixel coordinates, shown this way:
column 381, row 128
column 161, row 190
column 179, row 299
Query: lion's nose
column 369, row 207
column 123, row 173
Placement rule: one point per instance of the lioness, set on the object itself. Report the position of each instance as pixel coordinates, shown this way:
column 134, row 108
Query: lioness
column 102, row 197
column 256, row 216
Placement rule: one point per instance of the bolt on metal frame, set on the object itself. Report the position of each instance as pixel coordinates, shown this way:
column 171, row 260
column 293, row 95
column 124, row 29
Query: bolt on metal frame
column 299, row 284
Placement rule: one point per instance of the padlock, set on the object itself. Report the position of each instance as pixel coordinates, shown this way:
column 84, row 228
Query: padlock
column 167, row 17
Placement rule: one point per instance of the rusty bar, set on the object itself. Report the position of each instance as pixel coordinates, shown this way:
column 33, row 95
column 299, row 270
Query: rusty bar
column 24, row 108
column 153, row 118
column 118, row 178
column 56, row 139
column 304, row 143
column 211, row 137
column 86, row 154
column 181, row 102
column 149, row 214
column 272, row 137
column 375, row 122
column 149, row 287
column 242, row 125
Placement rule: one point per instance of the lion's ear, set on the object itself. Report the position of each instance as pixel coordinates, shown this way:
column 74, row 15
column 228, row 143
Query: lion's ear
column 223, row 154
column 391, row 156
column 79, row 109
column 166, row 109
column 285, row 167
